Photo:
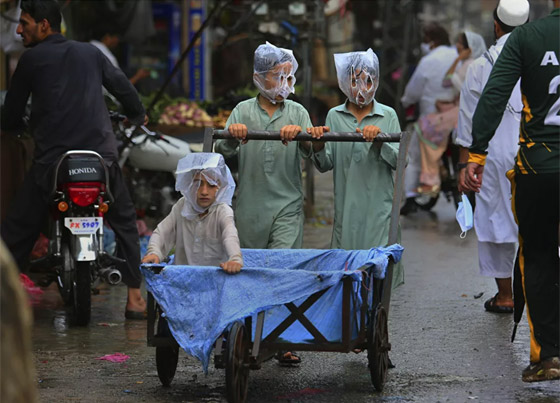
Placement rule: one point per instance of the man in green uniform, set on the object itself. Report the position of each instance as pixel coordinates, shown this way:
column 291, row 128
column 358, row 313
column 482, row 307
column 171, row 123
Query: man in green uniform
column 363, row 172
column 269, row 207
column 532, row 52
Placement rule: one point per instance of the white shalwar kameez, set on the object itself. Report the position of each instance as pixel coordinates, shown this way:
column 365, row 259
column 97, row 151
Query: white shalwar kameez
column 493, row 219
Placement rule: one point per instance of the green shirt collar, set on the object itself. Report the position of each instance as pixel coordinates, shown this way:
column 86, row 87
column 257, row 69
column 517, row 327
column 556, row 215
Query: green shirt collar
column 556, row 11
column 377, row 110
column 282, row 105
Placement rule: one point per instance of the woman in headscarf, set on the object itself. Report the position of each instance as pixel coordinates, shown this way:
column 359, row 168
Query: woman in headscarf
column 434, row 129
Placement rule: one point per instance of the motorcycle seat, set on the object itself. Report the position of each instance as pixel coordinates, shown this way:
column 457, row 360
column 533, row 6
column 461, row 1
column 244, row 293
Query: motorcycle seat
column 81, row 169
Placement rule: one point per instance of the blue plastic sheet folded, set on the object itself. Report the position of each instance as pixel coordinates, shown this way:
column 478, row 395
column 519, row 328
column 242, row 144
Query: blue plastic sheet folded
column 201, row 302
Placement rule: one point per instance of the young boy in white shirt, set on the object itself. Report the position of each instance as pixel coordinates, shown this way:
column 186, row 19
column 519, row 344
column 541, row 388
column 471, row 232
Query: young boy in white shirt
column 200, row 226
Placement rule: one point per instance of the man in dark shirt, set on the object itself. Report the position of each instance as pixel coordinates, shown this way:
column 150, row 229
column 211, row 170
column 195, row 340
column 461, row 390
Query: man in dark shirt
column 68, row 111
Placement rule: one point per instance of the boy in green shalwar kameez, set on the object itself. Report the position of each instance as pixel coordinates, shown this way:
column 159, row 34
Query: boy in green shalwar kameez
column 269, row 206
column 363, row 172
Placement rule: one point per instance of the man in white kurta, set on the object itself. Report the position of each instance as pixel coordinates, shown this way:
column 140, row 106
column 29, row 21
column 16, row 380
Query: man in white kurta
column 493, row 219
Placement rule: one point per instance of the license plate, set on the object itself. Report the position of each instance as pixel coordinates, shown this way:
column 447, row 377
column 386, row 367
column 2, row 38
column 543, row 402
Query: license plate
column 83, row 225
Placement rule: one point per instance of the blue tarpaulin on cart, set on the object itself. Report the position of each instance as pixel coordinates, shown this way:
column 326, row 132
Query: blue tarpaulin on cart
column 201, row 302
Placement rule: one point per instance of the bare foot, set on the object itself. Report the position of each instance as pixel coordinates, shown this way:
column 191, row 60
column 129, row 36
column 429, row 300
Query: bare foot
column 135, row 302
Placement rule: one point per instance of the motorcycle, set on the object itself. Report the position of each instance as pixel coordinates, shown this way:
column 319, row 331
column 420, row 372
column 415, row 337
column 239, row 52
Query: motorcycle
column 76, row 258
column 148, row 160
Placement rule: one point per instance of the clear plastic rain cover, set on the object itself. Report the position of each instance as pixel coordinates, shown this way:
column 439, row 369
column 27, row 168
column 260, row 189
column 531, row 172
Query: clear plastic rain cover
column 358, row 75
column 274, row 72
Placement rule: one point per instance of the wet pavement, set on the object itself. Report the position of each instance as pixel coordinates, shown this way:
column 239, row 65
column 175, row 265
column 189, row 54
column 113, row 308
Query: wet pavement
column 446, row 348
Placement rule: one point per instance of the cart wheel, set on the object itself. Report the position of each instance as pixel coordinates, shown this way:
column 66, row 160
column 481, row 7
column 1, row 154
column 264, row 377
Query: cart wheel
column 166, row 356
column 237, row 370
column 378, row 348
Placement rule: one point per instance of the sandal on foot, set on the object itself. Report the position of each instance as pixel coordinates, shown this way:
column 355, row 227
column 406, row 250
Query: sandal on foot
column 545, row 370
column 288, row 358
column 491, row 306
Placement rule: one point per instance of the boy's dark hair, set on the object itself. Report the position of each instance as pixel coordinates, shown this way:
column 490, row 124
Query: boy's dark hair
column 462, row 39
column 41, row 10
column 266, row 58
column 437, row 34
column 358, row 62
column 506, row 28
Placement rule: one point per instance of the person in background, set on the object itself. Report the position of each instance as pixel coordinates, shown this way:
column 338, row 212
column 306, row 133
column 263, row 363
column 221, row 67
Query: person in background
column 493, row 219
column 425, row 88
column 363, row 172
column 65, row 79
column 269, row 205
column 532, row 54
column 200, row 227
column 106, row 38
column 435, row 129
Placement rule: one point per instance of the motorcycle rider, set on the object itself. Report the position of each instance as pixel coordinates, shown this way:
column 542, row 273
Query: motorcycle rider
column 65, row 79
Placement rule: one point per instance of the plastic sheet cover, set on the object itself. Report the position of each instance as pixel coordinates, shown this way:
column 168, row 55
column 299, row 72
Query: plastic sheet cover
column 201, row 302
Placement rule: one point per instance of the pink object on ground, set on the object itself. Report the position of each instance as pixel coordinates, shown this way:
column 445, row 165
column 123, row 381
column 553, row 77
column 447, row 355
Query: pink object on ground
column 32, row 290
column 117, row 357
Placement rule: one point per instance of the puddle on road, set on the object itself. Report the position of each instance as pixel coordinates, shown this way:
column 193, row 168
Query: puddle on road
column 108, row 330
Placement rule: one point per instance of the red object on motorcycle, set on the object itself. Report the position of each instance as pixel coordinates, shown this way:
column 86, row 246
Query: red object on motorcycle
column 84, row 194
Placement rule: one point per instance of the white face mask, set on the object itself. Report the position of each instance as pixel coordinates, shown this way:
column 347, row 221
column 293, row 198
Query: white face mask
column 464, row 215
column 424, row 48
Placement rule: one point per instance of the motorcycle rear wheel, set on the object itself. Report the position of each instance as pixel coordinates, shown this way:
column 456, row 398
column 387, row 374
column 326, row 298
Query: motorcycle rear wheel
column 81, row 294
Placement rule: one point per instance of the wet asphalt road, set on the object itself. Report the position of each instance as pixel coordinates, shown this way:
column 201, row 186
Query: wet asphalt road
column 445, row 347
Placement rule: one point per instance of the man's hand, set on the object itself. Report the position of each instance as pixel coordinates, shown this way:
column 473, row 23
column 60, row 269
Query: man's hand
column 239, row 131
column 473, row 180
column 231, row 267
column 288, row 133
column 150, row 258
column 370, row 133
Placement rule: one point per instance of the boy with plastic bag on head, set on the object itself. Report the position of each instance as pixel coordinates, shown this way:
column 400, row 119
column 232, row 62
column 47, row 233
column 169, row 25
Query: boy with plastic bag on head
column 363, row 172
column 200, row 226
column 269, row 207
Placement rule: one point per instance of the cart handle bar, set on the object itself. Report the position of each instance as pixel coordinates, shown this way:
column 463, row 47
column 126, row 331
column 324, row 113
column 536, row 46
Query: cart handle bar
column 303, row 136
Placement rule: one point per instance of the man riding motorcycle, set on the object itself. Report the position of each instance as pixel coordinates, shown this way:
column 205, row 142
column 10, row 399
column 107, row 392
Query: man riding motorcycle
column 65, row 79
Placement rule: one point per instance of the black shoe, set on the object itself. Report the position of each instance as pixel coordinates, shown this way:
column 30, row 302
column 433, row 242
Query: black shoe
column 410, row 206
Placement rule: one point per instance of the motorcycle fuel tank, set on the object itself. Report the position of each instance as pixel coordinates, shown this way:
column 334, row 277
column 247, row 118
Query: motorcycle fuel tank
column 158, row 155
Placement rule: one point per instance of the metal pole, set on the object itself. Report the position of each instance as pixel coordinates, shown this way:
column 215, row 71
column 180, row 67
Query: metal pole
column 304, row 136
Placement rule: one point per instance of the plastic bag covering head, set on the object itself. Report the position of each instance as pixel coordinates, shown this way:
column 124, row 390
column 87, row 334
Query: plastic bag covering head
column 464, row 215
column 213, row 169
column 274, row 72
column 358, row 75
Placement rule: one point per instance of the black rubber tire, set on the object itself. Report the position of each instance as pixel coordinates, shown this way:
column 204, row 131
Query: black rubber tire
column 81, row 295
column 378, row 348
column 167, row 357
column 237, row 370
column 426, row 203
